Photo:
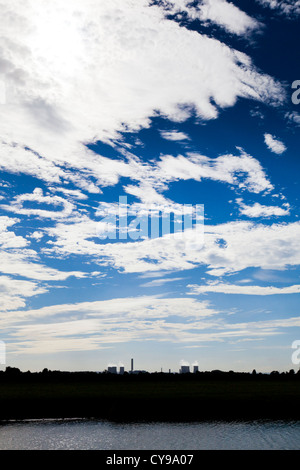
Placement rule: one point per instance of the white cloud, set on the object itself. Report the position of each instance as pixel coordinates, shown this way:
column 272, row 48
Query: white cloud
column 229, row 16
column 59, row 76
column 101, row 324
column 17, row 205
column 174, row 135
column 81, row 71
column 37, row 235
column 243, row 171
column 26, row 263
column 293, row 117
column 130, row 307
column 17, row 159
column 94, row 324
column 160, row 282
column 244, row 289
column 8, row 239
column 244, row 245
column 219, row 12
column 287, row 7
column 17, row 259
column 274, row 144
column 257, row 113
column 251, row 245
column 259, row 210
column 72, row 193
column 14, row 292
column 147, row 194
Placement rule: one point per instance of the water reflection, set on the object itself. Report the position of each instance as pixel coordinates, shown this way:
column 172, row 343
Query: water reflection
column 101, row 435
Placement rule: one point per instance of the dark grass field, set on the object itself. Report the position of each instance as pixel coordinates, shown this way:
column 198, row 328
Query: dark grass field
column 150, row 397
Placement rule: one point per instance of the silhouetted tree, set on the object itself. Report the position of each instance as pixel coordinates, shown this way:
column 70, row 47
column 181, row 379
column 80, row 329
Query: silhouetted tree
column 12, row 370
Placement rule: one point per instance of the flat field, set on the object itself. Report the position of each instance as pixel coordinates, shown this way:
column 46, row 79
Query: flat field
column 153, row 397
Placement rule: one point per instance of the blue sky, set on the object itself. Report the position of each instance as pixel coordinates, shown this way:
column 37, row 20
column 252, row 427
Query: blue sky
column 171, row 105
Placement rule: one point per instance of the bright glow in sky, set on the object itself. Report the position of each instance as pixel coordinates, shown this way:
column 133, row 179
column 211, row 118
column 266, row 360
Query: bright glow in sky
column 172, row 105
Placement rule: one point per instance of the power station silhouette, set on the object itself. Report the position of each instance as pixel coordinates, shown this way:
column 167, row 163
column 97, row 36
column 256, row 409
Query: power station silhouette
column 113, row 369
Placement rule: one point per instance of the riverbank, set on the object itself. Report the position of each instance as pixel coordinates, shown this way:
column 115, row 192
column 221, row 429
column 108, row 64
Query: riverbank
column 149, row 397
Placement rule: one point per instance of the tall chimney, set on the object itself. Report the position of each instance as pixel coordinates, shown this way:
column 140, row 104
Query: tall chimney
column 131, row 365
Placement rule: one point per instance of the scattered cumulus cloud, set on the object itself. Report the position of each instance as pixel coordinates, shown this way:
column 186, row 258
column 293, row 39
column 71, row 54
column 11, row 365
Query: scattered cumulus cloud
column 17, row 205
column 286, row 7
column 259, row 210
column 274, row 144
column 293, row 117
column 174, row 135
column 242, row 171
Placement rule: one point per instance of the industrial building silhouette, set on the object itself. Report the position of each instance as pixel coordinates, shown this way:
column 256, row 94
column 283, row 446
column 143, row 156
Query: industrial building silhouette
column 113, row 369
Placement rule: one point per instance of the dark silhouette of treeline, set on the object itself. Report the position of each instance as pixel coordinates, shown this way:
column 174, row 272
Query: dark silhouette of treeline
column 12, row 373
column 145, row 396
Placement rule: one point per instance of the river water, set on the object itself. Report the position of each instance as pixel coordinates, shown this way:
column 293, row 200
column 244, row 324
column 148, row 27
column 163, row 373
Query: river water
column 102, row 435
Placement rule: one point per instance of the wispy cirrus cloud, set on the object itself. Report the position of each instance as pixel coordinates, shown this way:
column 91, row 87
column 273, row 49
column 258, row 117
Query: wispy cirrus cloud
column 161, row 282
column 102, row 324
column 223, row 288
